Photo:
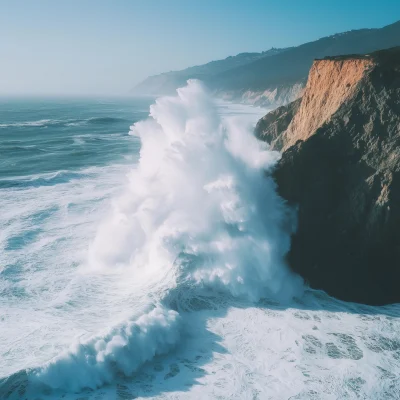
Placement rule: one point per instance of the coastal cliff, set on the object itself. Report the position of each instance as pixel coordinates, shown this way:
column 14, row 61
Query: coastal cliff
column 330, row 84
column 275, row 95
column 340, row 168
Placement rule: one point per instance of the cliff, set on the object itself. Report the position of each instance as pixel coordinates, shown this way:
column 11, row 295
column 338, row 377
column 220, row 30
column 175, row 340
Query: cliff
column 273, row 96
column 340, row 167
column 330, row 84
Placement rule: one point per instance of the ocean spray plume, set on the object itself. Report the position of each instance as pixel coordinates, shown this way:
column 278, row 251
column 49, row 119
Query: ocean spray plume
column 200, row 189
column 199, row 215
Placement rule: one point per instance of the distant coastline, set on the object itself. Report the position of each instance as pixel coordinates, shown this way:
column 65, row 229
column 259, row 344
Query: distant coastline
column 275, row 77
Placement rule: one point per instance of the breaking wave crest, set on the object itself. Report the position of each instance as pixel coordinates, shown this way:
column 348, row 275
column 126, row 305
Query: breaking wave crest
column 124, row 348
column 199, row 219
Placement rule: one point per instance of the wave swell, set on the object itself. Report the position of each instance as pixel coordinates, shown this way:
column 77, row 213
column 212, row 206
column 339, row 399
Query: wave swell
column 125, row 348
column 68, row 122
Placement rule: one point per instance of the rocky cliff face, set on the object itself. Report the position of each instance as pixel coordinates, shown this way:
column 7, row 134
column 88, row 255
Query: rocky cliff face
column 341, row 168
column 330, row 84
column 271, row 127
column 273, row 96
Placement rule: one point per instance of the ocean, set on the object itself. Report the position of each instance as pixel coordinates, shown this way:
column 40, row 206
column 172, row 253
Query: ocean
column 142, row 255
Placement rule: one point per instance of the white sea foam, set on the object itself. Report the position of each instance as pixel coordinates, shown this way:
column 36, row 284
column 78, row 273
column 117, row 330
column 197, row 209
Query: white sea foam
column 41, row 122
column 199, row 215
column 125, row 348
column 200, row 189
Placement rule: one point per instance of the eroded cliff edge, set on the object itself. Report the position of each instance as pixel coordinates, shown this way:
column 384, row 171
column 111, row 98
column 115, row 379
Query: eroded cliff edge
column 340, row 167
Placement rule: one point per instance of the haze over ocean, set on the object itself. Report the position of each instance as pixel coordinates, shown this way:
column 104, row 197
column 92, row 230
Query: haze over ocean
column 98, row 47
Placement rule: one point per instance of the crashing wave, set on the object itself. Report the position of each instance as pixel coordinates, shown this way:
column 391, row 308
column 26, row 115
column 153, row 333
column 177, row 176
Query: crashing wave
column 199, row 218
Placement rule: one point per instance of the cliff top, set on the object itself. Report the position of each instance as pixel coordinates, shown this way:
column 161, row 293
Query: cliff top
column 340, row 167
column 391, row 55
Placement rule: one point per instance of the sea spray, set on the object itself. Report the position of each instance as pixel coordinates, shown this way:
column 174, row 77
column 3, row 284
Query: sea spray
column 200, row 215
column 95, row 362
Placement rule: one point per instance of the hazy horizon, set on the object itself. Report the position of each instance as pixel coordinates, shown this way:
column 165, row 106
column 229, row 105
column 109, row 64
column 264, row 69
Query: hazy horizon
column 99, row 48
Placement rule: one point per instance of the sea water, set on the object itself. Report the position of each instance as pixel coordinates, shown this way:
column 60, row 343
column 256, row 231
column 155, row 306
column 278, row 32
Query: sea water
column 143, row 256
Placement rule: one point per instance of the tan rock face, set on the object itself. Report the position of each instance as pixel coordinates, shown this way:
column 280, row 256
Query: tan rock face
column 330, row 84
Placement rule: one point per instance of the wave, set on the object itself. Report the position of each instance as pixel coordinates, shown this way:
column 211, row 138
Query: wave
column 26, row 148
column 105, row 120
column 200, row 221
column 41, row 122
column 68, row 122
column 47, row 179
column 125, row 348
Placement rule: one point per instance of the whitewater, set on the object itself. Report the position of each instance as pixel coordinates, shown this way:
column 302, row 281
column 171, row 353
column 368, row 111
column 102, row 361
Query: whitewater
column 162, row 274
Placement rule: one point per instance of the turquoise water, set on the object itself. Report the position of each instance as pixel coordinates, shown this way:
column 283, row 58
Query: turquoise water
column 41, row 136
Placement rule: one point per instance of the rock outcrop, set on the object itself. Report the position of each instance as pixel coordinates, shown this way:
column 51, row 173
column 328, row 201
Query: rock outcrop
column 275, row 96
column 340, row 167
column 271, row 126
column 330, row 84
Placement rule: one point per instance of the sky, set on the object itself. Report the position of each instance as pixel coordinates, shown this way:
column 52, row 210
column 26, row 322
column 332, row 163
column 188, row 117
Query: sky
column 107, row 46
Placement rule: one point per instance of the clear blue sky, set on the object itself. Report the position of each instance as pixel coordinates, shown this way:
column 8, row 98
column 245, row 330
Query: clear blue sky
column 100, row 47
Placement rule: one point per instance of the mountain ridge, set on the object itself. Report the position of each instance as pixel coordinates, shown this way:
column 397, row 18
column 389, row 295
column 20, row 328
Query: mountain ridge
column 277, row 77
column 159, row 84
